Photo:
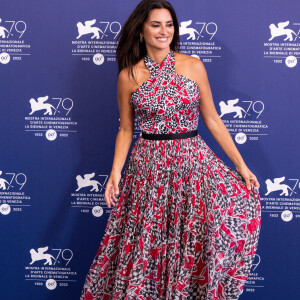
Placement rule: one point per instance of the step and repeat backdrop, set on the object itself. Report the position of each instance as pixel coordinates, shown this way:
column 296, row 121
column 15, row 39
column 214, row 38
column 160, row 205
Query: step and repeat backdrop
column 59, row 120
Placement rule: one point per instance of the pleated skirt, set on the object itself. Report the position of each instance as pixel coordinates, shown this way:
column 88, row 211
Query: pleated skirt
column 185, row 227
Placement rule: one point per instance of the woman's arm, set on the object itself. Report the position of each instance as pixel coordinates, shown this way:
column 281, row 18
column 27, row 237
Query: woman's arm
column 126, row 131
column 124, row 136
column 215, row 125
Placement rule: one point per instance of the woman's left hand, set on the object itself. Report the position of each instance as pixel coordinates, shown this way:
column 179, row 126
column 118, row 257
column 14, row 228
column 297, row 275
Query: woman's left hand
column 248, row 176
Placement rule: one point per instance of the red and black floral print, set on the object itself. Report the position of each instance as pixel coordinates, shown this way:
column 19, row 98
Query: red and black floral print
column 185, row 226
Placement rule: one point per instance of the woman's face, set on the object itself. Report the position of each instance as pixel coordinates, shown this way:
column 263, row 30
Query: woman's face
column 158, row 29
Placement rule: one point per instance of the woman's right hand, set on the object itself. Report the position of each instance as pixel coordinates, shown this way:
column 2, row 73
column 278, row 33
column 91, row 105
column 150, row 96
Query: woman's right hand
column 112, row 188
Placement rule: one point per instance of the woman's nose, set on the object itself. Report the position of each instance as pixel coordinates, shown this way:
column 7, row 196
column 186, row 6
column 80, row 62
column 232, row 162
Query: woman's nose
column 163, row 30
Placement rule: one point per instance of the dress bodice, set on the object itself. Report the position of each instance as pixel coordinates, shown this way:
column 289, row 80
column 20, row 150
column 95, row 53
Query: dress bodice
column 166, row 102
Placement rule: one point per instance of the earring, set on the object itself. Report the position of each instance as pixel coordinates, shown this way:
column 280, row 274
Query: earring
column 141, row 39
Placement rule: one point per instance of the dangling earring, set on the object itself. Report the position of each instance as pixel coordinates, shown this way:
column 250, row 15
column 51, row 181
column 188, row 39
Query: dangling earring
column 141, row 39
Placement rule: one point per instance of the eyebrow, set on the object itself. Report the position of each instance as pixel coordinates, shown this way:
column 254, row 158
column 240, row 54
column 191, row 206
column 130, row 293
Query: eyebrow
column 160, row 22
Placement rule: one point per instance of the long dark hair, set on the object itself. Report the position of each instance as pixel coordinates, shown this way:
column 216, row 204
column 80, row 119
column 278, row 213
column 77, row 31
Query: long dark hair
column 130, row 50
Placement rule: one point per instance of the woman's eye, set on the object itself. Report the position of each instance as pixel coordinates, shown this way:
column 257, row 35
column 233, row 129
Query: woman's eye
column 169, row 25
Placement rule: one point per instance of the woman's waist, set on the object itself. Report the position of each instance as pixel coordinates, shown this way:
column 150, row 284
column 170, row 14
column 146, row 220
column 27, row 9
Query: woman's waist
column 169, row 135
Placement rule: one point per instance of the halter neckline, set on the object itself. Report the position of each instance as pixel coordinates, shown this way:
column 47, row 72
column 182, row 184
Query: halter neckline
column 167, row 64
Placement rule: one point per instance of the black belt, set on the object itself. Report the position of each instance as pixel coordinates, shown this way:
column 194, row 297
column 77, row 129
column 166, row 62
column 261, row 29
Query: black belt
column 169, row 136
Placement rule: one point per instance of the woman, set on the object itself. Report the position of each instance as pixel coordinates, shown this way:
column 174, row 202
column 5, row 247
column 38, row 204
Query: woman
column 183, row 225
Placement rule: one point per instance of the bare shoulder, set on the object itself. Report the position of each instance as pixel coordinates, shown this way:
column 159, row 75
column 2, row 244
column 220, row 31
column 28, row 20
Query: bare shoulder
column 125, row 82
column 189, row 66
column 184, row 59
column 128, row 82
column 123, row 77
column 124, row 85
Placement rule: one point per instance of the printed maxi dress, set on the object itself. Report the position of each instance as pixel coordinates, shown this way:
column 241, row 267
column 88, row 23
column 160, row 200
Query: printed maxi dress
column 185, row 226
